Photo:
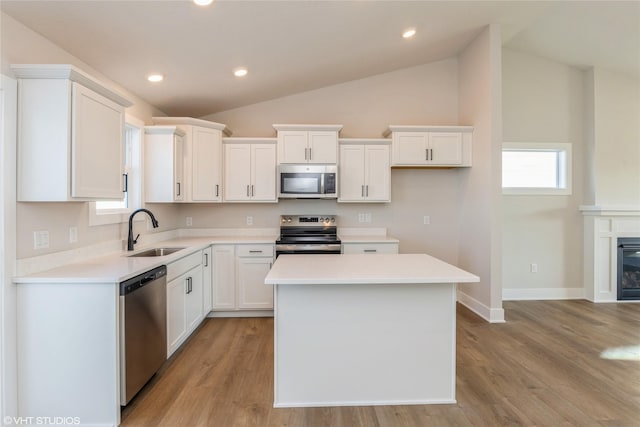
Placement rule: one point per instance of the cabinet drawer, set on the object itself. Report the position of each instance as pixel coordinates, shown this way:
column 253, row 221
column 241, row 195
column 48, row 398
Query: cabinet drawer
column 370, row 248
column 183, row 265
column 254, row 250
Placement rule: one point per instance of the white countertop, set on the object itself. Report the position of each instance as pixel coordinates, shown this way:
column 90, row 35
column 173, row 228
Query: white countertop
column 116, row 267
column 366, row 239
column 359, row 268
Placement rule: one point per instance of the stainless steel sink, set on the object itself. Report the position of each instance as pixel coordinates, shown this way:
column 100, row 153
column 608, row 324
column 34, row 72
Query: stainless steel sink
column 156, row 252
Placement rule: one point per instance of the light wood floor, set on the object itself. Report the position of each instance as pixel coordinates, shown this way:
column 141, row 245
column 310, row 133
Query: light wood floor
column 542, row 367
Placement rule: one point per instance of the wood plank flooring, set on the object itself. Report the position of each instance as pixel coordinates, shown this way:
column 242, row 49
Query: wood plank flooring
column 541, row 368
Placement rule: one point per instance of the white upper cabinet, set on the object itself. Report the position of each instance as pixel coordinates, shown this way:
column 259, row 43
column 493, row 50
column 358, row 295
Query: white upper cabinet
column 365, row 171
column 308, row 143
column 71, row 135
column 202, row 157
column 164, row 164
column 434, row 146
column 249, row 170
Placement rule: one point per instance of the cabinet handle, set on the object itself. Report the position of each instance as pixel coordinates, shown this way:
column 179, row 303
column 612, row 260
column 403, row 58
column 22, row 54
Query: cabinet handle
column 370, row 251
column 188, row 285
column 217, row 191
column 305, row 154
column 206, row 260
column 247, row 191
column 309, row 153
column 426, row 154
column 252, row 192
column 431, row 151
column 255, row 252
column 178, row 185
column 362, row 190
column 126, row 182
column 366, row 190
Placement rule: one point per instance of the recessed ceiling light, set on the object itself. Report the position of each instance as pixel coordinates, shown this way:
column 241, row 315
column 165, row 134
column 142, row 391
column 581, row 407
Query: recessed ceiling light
column 203, row 2
column 155, row 78
column 240, row 72
column 409, row 33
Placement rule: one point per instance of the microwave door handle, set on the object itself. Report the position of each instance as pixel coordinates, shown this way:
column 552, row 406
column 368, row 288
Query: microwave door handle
column 321, row 183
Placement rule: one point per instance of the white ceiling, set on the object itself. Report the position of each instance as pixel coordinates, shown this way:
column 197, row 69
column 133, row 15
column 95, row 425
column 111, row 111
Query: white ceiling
column 296, row 46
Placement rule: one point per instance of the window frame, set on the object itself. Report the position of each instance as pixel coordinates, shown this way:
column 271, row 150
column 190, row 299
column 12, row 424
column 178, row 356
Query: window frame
column 564, row 169
column 134, row 182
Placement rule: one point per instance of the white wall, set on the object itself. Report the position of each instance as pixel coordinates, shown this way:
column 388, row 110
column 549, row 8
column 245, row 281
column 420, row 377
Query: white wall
column 616, row 160
column 543, row 102
column 425, row 94
column 479, row 206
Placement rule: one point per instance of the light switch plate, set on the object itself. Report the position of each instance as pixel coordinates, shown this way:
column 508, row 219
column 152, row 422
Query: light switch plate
column 40, row 239
column 73, row 234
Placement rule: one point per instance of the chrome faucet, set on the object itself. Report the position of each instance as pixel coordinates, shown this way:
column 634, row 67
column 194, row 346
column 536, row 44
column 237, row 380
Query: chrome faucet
column 131, row 241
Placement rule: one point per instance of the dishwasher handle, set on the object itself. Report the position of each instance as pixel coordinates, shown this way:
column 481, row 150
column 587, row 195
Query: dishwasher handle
column 137, row 282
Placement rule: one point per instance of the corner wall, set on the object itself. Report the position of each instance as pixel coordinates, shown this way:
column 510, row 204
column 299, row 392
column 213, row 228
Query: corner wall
column 479, row 209
column 543, row 102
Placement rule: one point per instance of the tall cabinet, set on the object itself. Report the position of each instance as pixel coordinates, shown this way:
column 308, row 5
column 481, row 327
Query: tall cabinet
column 70, row 135
column 202, row 157
column 164, row 164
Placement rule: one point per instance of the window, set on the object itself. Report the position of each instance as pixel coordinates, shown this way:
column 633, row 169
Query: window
column 536, row 169
column 116, row 211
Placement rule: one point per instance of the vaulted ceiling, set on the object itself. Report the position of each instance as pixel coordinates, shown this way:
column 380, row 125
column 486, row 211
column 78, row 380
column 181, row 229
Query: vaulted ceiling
column 295, row 46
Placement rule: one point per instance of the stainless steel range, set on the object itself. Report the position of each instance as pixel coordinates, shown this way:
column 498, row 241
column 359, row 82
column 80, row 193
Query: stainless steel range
column 308, row 234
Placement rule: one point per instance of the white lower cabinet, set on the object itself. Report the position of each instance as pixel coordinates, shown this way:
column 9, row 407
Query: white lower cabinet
column 238, row 277
column 369, row 248
column 184, row 299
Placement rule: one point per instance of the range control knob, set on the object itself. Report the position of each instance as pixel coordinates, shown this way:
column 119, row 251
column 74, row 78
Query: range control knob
column 333, row 220
column 321, row 219
column 283, row 220
column 289, row 219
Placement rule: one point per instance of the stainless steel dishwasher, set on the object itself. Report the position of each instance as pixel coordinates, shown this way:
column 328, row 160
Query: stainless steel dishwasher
column 143, row 330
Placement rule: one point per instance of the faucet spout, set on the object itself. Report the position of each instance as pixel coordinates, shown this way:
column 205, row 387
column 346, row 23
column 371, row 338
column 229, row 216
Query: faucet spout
column 130, row 240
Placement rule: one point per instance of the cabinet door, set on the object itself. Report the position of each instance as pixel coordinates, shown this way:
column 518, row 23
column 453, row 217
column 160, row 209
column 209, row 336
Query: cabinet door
column 292, row 147
column 352, row 172
column 97, row 137
column 206, row 162
column 323, row 147
column 263, row 180
column 410, row 148
column 252, row 292
column 446, row 148
column 193, row 300
column 377, row 173
column 224, row 277
column 207, row 281
column 176, row 319
column 237, row 172
column 178, row 168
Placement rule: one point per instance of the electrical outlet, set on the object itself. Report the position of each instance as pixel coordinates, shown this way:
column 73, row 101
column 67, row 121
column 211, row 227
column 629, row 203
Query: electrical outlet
column 189, row 221
column 361, row 217
column 367, row 217
column 40, row 239
column 73, row 234
column 249, row 220
column 426, row 220
column 534, row 268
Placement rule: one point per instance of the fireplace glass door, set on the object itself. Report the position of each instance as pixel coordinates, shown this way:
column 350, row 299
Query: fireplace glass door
column 628, row 268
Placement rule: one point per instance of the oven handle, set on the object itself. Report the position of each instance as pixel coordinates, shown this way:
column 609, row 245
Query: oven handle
column 632, row 246
column 303, row 248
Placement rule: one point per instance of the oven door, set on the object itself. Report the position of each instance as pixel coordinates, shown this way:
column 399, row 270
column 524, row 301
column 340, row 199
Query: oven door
column 308, row 249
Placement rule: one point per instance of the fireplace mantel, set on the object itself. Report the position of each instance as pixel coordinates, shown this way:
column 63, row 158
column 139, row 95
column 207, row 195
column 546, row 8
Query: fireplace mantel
column 603, row 225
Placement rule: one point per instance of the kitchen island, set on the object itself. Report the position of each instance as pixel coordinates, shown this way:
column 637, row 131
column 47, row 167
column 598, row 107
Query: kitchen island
column 356, row 330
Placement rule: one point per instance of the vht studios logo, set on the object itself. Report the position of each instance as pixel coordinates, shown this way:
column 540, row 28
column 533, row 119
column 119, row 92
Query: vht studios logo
column 42, row 421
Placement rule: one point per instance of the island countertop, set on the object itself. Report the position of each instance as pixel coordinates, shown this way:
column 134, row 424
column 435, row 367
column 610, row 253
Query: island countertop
column 364, row 268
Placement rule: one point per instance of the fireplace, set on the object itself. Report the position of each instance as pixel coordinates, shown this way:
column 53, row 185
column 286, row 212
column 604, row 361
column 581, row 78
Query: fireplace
column 629, row 268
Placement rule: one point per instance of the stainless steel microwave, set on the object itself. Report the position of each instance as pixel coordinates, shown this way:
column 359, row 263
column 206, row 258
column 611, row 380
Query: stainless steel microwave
column 308, row 181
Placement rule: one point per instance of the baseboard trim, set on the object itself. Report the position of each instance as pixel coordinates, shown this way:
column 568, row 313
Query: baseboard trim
column 542, row 294
column 491, row 315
